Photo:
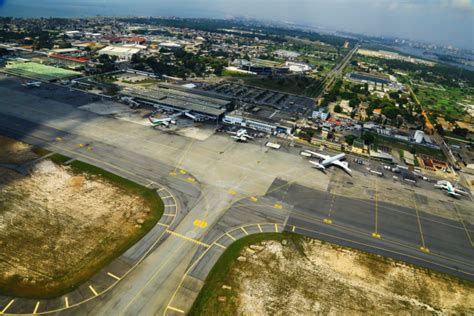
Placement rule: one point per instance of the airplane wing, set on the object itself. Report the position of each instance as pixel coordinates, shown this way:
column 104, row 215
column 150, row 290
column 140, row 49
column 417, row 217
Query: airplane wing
column 317, row 165
column 321, row 156
column 343, row 164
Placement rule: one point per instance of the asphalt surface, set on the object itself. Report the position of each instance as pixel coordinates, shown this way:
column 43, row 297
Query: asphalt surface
column 213, row 183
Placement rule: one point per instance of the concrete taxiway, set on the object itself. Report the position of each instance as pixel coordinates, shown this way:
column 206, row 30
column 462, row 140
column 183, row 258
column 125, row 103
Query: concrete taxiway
column 222, row 191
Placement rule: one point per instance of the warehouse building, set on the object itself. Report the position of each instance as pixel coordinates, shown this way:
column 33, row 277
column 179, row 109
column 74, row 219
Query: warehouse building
column 123, row 53
column 177, row 100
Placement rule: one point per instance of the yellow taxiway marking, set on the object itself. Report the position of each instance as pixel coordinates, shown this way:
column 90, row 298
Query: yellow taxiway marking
column 276, row 228
column 172, row 173
column 175, row 309
column 260, row 228
column 164, row 225
column 423, row 246
column 190, row 179
column 243, row 229
column 81, row 145
column 170, row 215
column 36, row 307
column 253, row 199
column 293, row 229
column 59, row 138
column 200, row 223
column 219, row 245
column 424, row 249
column 232, row 192
column 327, row 221
column 277, row 205
column 232, row 237
column 93, row 290
column 200, row 243
column 113, row 276
column 66, row 302
column 376, row 234
column 182, row 171
column 332, row 204
column 463, row 225
column 7, row 307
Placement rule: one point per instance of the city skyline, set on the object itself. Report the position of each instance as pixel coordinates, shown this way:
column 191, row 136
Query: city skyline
column 445, row 22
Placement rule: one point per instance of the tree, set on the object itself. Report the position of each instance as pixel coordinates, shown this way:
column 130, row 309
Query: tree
column 368, row 138
column 337, row 109
column 350, row 138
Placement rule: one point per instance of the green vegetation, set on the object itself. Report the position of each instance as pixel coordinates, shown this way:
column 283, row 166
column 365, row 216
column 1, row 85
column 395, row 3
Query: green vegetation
column 39, row 71
column 444, row 100
column 230, row 73
column 218, row 276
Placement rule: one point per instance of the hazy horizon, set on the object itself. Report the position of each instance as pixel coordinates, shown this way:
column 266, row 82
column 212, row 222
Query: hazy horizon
column 446, row 22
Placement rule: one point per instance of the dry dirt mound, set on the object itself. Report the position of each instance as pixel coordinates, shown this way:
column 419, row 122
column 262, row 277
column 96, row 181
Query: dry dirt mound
column 319, row 279
column 56, row 224
column 14, row 152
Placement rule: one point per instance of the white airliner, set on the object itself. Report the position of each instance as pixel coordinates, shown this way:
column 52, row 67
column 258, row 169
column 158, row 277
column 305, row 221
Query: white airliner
column 452, row 190
column 326, row 161
column 241, row 135
column 34, row 84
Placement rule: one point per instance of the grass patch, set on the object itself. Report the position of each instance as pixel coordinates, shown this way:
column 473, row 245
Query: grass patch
column 206, row 303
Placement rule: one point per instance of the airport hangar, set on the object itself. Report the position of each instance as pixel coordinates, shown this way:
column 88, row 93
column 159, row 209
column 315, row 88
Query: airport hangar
column 177, row 100
column 259, row 118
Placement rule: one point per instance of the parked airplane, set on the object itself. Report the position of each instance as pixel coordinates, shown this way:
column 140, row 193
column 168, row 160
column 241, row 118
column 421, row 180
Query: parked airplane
column 241, row 135
column 326, row 161
column 452, row 190
column 33, row 84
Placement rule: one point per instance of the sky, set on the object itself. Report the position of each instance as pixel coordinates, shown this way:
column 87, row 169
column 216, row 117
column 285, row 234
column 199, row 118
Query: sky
column 447, row 22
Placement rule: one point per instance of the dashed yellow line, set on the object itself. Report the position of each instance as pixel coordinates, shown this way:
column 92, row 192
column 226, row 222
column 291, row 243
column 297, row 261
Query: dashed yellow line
column 170, row 205
column 260, row 228
column 169, row 215
column 253, row 199
column 232, row 237
column 376, row 234
column 278, row 205
column 93, row 290
column 463, row 225
column 423, row 246
column 293, row 229
column 200, row 243
column 175, row 309
column 7, row 307
column 164, row 225
column 36, row 307
column 232, row 192
column 66, row 302
column 276, row 228
column 243, row 229
column 166, row 197
column 113, row 276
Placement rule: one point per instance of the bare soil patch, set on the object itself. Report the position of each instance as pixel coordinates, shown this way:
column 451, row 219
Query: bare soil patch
column 58, row 226
column 308, row 277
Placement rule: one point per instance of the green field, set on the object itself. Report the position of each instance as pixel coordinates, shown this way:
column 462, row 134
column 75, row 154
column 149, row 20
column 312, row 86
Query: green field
column 39, row 71
column 445, row 100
